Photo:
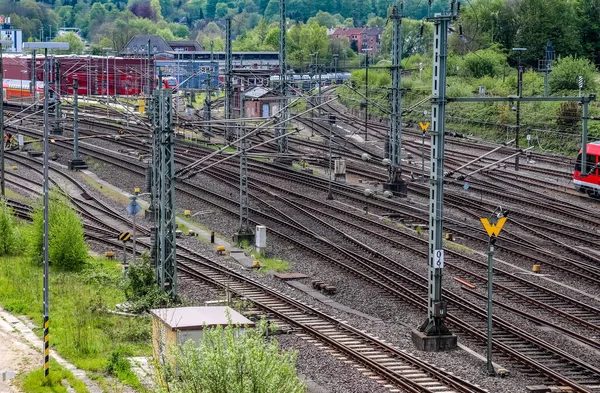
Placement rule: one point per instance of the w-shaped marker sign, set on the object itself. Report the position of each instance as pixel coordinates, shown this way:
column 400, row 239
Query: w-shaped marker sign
column 493, row 229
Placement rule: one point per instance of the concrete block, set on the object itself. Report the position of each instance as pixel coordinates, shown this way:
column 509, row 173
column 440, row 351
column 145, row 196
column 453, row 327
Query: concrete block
column 433, row 343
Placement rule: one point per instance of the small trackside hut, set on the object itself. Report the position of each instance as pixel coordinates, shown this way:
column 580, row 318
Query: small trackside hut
column 175, row 326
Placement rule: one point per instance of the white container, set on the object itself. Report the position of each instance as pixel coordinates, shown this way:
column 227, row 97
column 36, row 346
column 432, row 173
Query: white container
column 261, row 236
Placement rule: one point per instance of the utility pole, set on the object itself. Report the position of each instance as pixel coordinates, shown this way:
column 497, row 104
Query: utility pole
column 33, row 76
column 46, row 192
column 335, row 64
column 545, row 66
column 282, row 142
column 76, row 162
column 245, row 233
column 228, row 79
column 584, row 136
column 432, row 334
column 57, row 105
column 520, row 95
column 366, row 91
column 208, row 132
column 395, row 182
column 332, row 120
column 2, row 43
column 165, row 238
column 149, row 77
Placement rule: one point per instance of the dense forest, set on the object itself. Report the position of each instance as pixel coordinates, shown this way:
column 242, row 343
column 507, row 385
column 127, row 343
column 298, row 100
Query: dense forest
column 572, row 25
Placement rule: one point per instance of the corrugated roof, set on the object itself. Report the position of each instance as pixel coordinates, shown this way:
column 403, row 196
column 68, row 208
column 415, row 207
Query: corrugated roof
column 197, row 318
column 257, row 92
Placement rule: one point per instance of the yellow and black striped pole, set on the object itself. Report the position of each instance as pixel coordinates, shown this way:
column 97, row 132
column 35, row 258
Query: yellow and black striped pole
column 46, row 346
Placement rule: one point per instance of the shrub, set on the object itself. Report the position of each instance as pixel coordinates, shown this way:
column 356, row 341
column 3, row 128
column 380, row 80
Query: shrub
column 484, row 62
column 7, row 228
column 565, row 73
column 141, row 290
column 67, row 249
column 233, row 362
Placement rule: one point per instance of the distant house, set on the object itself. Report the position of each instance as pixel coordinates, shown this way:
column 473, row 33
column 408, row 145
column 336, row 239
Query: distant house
column 260, row 102
column 75, row 30
column 138, row 45
column 365, row 39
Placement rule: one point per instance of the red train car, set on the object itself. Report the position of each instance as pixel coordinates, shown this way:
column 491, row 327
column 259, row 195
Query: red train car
column 590, row 180
column 120, row 76
column 18, row 91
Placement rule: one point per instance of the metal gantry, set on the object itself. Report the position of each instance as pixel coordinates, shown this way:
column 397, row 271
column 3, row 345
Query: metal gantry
column 282, row 142
column 433, row 328
column 228, row 79
column 165, row 239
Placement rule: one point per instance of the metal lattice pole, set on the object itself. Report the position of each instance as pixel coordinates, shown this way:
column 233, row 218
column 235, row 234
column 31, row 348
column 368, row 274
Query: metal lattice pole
column 244, row 232
column 153, row 173
column 166, row 223
column 57, row 106
column 208, row 133
column 395, row 142
column 228, row 78
column 33, row 76
column 282, row 144
column 434, row 325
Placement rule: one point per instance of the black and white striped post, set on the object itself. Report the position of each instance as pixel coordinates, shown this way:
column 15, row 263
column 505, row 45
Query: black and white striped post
column 46, row 46
column 580, row 82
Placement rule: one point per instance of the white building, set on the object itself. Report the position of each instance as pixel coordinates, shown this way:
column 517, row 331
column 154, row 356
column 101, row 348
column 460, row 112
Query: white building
column 10, row 34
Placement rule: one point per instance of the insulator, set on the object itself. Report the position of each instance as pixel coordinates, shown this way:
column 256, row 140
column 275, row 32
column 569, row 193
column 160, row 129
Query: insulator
column 460, row 29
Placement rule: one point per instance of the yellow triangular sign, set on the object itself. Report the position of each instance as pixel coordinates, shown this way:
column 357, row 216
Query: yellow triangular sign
column 424, row 126
column 493, row 229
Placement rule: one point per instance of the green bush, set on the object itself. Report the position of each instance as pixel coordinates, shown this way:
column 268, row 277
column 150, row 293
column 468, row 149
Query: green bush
column 565, row 73
column 141, row 289
column 7, row 229
column 484, row 62
column 67, row 248
column 233, row 362
column 118, row 365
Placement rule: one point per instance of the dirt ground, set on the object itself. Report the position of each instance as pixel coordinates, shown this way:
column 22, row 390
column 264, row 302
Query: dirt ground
column 15, row 357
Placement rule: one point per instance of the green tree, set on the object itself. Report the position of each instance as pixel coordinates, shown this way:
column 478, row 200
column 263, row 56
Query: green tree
column 589, row 15
column 231, row 361
column 211, row 6
column 76, row 46
column 326, row 19
column 67, row 249
column 565, row 73
column 547, row 20
column 412, row 41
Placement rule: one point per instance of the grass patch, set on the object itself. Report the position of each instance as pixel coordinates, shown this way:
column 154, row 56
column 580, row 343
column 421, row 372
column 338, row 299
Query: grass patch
column 81, row 329
column 35, row 382
column 187, row 223
column 273, row 263
column 106, row 191
column 10, row 194
column 458, row 247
